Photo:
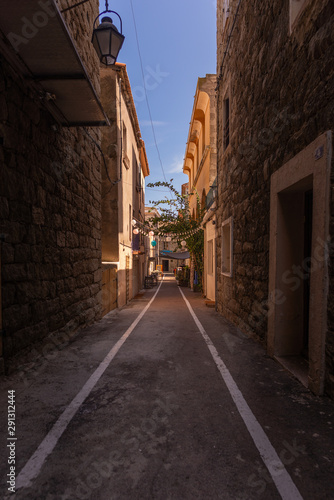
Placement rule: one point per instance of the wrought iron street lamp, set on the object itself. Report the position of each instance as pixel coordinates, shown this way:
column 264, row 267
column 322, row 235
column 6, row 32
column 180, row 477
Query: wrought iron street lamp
column 107, row 40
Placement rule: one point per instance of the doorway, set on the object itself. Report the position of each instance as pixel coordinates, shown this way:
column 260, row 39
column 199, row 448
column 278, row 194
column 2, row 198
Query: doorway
column 298, row 263
column 293, row 267
column 165, row 265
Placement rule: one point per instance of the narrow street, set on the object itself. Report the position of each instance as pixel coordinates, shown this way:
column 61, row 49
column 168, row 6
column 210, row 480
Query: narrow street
column 162, row 417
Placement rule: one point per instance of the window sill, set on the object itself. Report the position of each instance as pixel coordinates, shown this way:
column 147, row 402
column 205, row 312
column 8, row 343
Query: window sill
column 228, row 275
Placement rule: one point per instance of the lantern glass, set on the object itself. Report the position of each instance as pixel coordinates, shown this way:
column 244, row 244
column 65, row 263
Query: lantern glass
column 107, row 41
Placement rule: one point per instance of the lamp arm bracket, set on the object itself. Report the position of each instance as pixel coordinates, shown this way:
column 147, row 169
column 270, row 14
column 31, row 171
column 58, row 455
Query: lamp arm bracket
column 110, row 12
column 75, row 5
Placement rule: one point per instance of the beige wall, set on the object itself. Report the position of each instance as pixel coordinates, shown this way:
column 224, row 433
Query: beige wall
column 201, row 168
column 123, row 201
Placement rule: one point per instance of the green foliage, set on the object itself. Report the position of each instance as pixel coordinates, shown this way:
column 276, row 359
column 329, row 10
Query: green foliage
column 175, row 220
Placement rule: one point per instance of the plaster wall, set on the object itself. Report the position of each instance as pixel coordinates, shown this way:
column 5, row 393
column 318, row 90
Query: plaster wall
column 124, row 200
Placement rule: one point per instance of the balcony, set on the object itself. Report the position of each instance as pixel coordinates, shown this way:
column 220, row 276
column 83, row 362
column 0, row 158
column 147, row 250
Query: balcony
column 47, row 58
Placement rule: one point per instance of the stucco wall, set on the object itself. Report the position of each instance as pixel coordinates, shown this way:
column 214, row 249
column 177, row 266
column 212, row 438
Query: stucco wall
column 117, row 201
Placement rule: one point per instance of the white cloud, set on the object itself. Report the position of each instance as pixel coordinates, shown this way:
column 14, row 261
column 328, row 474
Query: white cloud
column 147, row 123
column 177, row 166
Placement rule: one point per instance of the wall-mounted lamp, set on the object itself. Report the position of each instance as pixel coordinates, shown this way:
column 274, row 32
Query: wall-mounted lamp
column 107, row 40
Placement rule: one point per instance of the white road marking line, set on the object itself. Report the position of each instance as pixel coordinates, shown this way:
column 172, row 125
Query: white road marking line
column 32, row 468
column 282, row 479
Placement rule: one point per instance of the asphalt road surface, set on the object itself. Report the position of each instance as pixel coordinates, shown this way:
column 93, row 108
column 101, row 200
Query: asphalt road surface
column 163, row 400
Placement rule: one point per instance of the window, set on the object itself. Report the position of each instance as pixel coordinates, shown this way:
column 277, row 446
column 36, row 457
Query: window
column 296, row 7
column 226, row 11
column 227, row 247
column 203, row 200
column 130, row 223
column 210, row 257
column 135, row 172
column 139, row 178
column 125, row 140
column 203, row 137
column 126, row 160
column 226, row 122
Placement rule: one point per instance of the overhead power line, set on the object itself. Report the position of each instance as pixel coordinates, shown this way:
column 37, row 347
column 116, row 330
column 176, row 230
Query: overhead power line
column 145, row 91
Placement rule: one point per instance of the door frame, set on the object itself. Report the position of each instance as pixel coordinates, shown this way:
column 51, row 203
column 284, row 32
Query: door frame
column 313, row 162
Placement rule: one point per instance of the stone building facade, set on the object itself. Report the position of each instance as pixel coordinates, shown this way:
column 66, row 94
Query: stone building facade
column 275, row 69
column 50, row 189
column 159, row 257
column 123, row 185
column 152, row 252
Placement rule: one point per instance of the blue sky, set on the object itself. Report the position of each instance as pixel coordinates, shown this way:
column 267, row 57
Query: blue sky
column 177, row 40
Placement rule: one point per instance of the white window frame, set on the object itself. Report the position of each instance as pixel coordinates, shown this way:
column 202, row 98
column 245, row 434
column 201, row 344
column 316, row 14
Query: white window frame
column 227, row 248
column 226, row 122
column 126, row 160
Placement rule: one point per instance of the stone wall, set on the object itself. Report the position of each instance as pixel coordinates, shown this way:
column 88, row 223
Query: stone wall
column 50, row 213
column 280, row 87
